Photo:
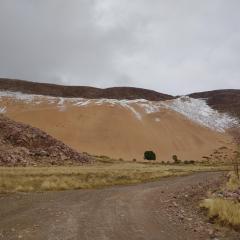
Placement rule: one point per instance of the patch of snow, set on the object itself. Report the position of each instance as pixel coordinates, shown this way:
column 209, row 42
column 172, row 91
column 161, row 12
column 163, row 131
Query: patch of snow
column 81, row 102
column 2, row 109
column 150, row 107
column 196, row 110
column 17, row 96
column 52, row 101
column 124, row 103
column 61, row 105
column 61, row 101
column 86, row 102
column 199, row 111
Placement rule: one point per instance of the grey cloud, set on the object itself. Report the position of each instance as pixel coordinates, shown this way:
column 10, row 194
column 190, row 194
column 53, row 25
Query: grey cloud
column 173, row 46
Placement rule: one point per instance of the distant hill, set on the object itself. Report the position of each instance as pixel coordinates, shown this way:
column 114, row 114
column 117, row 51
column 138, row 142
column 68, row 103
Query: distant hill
column 227, row 100
column 81, row 91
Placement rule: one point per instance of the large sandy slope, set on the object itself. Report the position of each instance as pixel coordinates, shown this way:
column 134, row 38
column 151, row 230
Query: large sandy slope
column 117, row 132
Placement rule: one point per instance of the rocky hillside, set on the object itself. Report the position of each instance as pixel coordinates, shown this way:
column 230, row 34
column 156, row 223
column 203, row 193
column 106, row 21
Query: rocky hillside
column 222, row 100
column 22, row 145
column 79, row 91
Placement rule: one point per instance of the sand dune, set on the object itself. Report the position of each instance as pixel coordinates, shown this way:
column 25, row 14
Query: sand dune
column 119, row 130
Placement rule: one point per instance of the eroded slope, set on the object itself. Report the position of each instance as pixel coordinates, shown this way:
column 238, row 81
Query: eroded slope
column 125, row 129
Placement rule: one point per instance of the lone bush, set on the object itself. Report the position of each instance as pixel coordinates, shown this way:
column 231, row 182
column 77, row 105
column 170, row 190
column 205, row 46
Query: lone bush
column 149, row 155
column 175, row 159
column 189, row 162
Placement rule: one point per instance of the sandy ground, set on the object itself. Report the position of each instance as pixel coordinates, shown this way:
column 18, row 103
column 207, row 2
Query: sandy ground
column 164, row 210
column 116, row 132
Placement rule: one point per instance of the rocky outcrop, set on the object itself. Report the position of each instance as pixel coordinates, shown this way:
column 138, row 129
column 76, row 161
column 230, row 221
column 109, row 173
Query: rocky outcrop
column 22, row 145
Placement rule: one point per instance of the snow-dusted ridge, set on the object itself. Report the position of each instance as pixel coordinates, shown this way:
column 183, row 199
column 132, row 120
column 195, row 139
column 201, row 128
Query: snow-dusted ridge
column 196, row 110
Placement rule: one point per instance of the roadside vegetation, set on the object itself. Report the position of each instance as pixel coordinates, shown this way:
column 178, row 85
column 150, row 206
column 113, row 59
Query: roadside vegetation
column 224, row 205
column 104, row 172
column 227, row 212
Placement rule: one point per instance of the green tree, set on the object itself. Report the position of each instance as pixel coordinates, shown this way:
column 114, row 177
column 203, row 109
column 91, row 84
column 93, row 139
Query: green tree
column 149, row 155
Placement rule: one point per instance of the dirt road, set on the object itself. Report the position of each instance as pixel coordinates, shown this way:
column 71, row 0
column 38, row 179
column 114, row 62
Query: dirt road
column 164, row 210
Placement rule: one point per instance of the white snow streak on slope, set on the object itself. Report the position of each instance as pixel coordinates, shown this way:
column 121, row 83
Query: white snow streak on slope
column 124, row 103
column 61, row 101
column 151, row 107
column 61, row 105
column 18, row 96
column 196, row 110
column 83, row 102
column 2, row 109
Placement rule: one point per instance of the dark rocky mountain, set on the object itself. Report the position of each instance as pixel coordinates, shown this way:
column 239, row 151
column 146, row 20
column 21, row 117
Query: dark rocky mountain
column 23, row 145
column 80, row 91
column 227, row 100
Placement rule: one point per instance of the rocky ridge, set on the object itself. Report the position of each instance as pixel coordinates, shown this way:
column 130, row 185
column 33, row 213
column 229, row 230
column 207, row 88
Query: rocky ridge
column 54, row 90
column 23, row 145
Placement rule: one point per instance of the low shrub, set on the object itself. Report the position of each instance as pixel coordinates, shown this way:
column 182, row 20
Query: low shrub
column 104, row 157
column 189, row 162
column 175, row 159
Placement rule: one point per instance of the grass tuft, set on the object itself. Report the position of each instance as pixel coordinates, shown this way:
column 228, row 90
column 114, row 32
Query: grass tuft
column 226, row 211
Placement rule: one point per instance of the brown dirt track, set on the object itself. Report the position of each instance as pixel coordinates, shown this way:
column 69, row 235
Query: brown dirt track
column 154, row 211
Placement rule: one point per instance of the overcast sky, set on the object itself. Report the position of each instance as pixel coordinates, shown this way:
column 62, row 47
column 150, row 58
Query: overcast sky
column 172, row 46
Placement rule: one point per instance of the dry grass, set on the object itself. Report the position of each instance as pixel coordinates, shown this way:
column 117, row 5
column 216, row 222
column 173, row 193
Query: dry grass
column 103, row 173
column 228, row 212
column 225, row 210
column 233, row 183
